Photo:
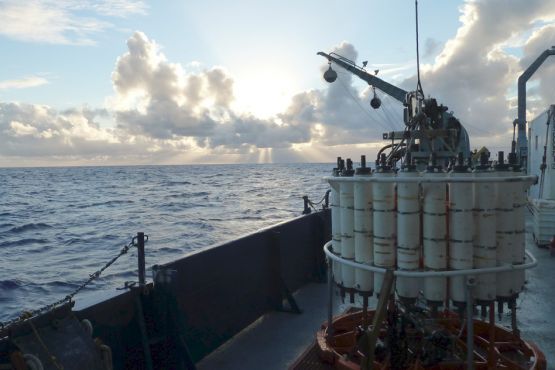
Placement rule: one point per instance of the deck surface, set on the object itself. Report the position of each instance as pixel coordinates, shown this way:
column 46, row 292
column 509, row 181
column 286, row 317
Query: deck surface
column 276, row 340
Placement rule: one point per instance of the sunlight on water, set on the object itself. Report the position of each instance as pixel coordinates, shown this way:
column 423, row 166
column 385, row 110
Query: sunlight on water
column 57, row 225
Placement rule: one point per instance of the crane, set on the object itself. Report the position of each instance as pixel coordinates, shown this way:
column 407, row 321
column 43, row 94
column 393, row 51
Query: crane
column 430, row 128
column 521, row 120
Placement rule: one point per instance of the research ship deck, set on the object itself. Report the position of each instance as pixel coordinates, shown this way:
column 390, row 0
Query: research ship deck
column 278, row 339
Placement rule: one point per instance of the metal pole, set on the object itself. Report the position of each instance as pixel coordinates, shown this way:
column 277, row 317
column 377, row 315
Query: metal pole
column 141, row 257
column 330, row 299
column 491, row 347
column 144, row 334
column 307, row 209
column 469, row 324
column 513, row 317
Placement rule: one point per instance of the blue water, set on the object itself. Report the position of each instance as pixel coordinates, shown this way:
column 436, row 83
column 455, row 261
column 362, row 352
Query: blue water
column 57, row 225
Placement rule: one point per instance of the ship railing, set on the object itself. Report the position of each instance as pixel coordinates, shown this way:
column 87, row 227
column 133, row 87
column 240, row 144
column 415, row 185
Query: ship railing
column 530, row 262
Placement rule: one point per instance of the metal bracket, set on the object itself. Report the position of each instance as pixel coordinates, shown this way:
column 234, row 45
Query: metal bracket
column 280, row 287
column 293, row 306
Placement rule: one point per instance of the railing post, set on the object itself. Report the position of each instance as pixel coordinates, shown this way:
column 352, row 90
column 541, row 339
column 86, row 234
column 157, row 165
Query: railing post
column 141, row 257
column 307, row 209
column 327, row 199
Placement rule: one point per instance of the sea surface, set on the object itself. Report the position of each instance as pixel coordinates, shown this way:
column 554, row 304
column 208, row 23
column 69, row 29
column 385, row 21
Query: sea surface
column 58, row 225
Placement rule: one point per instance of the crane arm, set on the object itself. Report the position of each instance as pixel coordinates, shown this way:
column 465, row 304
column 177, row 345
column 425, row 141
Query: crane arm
column 389, row 89
column 521, row 120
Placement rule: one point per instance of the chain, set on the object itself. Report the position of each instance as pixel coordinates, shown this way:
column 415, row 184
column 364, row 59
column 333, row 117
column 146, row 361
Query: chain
column 29, row 314
column 314, row 204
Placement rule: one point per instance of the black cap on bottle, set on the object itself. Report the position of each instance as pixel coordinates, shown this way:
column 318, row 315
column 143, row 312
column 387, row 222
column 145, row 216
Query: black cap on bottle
column 349, row 170
column 460, row 166
column 363, row 170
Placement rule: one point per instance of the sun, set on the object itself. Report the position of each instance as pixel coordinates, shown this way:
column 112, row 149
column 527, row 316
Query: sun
column 263, row 91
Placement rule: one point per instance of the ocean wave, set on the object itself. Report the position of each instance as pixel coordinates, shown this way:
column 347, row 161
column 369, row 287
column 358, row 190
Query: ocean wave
column 175, row 183
column 85, row 215
column 29, row 227
column 10, row 284
column 109, row 203
column 23, row 242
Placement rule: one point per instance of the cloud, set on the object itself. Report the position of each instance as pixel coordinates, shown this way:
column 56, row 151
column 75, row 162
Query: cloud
column 165, row 112
column 33, row 133
column 474, row 74
column 431, row 47
column 23, row 83
column 542, row 39
column 162, row 100
column 62, row 21
column 340, row 113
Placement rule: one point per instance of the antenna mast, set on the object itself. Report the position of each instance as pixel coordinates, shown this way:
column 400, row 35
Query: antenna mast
column 419, row 84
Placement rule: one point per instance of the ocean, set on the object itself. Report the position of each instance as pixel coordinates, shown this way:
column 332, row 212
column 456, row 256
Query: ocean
column 58, row 225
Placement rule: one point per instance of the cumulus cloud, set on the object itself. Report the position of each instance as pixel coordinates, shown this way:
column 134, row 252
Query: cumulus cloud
column 162, row 110
column 62, row 21
column 539, row 41
column 431, row 47
column 340, row 113
column 162, row 100
column 474, row 74
column 38, row 134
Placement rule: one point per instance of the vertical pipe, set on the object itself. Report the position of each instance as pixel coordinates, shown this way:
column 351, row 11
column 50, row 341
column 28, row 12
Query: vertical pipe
column 144, row 334
column 469, row 325
column 485, row 238
column 408, row 233
column 141, row 257
column 492, row 361
column 434, row 232
column 461, row 229
column 384, row 222
column 335, row 205
column 346, row 199
column 514, row 326
column 330, row 298
column 363, row 233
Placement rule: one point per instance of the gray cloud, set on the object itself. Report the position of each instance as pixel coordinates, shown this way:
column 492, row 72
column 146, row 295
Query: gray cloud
column 474, row 76
column 36, row 134
column 342, row 110
column 431, row 47
column 540, row 40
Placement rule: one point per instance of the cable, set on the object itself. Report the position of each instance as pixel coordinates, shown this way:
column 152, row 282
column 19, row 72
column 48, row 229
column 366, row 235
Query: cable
column 388, row 108
column 543, row 166
column 358, row 103
column 419, row 84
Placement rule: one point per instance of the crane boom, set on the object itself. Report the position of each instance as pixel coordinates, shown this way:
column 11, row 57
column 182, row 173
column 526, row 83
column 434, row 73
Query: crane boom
column 430, row 127
column 521, row 120
column 391, row 90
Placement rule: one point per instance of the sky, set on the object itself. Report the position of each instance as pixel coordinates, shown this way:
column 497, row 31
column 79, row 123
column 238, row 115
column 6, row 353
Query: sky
column 124, row 82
